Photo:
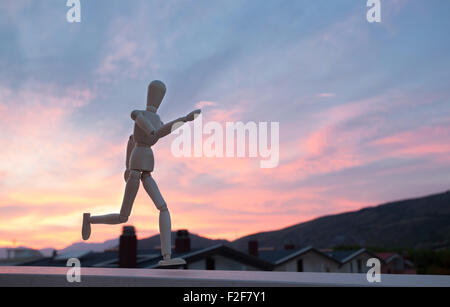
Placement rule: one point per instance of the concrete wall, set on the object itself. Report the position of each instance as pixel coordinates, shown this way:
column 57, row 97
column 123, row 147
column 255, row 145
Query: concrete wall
column 51, row 276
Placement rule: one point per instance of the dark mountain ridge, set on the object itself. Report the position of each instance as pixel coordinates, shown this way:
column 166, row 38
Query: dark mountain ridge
column 415, row 223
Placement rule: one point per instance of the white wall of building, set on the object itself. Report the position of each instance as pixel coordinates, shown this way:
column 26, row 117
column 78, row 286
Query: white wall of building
column 353, row 266
column 312, row 262
column 221, row 263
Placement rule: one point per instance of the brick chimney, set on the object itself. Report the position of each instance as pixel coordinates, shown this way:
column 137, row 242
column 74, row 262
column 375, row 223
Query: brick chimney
column 128, row 248
column 253, row 248
column 182, row 242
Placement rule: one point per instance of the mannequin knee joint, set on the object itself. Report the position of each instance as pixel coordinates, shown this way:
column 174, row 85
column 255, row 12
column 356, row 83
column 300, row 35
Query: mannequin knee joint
column 145, row 175
column 134, row 175
column 163, row 208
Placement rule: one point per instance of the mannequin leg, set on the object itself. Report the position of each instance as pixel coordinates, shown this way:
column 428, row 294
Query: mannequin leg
column 165, row 226
column 107, row 219
column 131, row 190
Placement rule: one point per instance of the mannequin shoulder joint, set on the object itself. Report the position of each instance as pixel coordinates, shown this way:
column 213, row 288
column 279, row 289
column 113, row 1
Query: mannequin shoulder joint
column 135, row 114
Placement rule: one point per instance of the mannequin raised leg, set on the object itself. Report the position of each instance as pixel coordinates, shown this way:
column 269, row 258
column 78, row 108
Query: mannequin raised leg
column 165, row 227
column 131, row 190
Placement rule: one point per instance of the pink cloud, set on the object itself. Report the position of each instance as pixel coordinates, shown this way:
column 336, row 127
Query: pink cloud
column 423, row 142
column 223, row 115
column 44, row 160
column 204, row 104
column 326, row 95
column 127, row 55
column 14, row 7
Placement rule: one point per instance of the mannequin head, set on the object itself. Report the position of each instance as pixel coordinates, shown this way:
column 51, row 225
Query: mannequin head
column 155, row 95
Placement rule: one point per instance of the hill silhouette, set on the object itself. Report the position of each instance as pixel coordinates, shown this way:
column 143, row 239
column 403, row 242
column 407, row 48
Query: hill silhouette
column 415, row 223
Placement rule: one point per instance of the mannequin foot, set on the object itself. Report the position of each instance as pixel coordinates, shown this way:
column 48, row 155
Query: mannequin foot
column 168, row 262
column 86, row 229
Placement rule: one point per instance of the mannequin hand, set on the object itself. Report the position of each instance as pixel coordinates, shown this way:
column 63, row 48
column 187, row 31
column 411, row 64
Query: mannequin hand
column 193, row 115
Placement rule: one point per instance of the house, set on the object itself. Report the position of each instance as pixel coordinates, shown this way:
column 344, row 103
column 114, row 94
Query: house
column 16, row 256
column 394, row 263
column 219, row 257
column 87, row 259
column 352, row 261
column 22, row 253
column 292, row 259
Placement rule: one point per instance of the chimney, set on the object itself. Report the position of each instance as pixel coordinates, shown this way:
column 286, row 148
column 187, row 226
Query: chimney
column 128, row 248
column 182, row 241
column 253, row 248
column 289, row 246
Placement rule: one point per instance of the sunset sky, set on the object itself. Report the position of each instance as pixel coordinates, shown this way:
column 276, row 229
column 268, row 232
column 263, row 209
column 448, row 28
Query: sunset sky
column 364, row 110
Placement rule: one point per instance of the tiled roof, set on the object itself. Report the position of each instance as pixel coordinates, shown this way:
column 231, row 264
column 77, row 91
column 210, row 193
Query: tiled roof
column 343, row 255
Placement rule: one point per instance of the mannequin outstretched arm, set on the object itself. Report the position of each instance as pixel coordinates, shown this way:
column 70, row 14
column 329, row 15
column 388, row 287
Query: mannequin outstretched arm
column 167, row 128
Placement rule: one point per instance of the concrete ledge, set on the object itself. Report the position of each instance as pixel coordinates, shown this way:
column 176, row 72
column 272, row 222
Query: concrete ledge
column 56, row 276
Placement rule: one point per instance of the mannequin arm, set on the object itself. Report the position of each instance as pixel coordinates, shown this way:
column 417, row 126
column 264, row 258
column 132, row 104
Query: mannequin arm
column 166, row 129
column 143, row 123
column 130, row 147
